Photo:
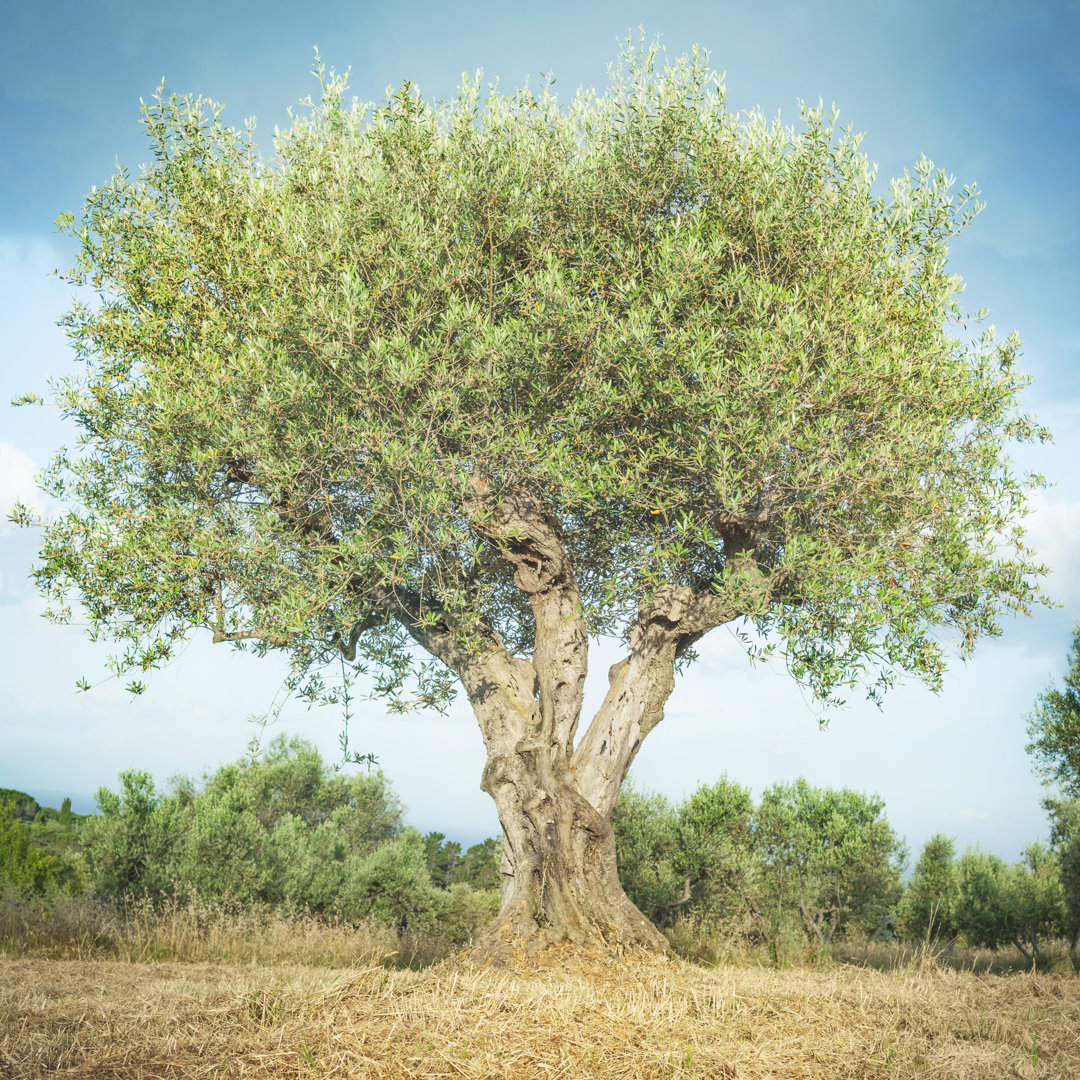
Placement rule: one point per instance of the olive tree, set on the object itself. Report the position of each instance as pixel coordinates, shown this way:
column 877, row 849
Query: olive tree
column 1054, row 728
column 830, row 856
column 440, row 392
column 929, row 901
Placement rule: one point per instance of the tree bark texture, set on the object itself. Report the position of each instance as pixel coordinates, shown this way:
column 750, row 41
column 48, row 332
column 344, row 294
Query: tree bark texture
column 555, row 799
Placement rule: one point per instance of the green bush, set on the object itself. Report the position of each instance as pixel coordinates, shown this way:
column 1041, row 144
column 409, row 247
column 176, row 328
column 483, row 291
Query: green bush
column 393, row 885
column 130, row 846
column 1036, row 900
column 646, row 828
column 463, row 912
column 311, row 866
column 829, row 859
column 222, row 849
column 983, row 915
column 24, row 806
column 1065, row 841
column 280, row 831
column 21, row 863
column 928, row 907
column 714, row 856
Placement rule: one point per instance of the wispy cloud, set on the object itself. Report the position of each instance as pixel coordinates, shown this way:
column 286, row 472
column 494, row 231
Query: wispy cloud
column 1054, row 532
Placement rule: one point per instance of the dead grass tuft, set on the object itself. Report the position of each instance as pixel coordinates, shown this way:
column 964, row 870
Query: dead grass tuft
column 564, row 1015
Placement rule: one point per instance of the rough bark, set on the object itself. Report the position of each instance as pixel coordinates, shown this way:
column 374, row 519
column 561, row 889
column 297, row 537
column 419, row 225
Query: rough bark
column 554, row 801
column 560, row 876
column 559, row 867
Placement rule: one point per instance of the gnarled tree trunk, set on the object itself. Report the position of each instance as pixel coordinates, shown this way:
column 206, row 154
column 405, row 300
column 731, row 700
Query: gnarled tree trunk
column 554, row 798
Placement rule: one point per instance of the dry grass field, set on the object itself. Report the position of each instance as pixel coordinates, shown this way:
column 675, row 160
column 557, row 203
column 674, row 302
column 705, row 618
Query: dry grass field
column 568, row 1016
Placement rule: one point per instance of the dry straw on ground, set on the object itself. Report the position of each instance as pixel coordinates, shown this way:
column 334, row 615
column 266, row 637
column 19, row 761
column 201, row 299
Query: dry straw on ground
column 569, row 1016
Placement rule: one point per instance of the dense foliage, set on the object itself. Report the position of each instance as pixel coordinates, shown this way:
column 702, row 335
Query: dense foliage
column 824, row 861
column 801, row 867
column 24, row 807
column 688, row 336
column 281, row 832
column 23, row 864
column 1054, row 728
column 819, row 865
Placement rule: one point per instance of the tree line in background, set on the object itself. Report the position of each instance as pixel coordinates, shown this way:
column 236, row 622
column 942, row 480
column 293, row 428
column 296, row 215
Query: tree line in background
column 817, row 866
column 282, row 832
column 801, row 866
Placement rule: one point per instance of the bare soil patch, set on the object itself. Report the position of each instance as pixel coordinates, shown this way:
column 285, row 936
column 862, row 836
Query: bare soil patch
column 566, row 1016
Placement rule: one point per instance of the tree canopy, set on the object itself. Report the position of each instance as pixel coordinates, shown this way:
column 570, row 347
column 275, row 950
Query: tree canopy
column 683, row 335
column 440, row 391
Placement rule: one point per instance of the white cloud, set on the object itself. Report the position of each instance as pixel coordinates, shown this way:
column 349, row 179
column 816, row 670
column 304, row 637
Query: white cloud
column 16, row 484
column 973, row 815
column 1054, row 532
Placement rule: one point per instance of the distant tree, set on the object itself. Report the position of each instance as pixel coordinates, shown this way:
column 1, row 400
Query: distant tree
column 130, row 846
column 1065, row 841
column 66, row 819
column 930, row 898
column 280, row 830
column 1054, row 728
column 290, row 779
column 23, row 806
column 984, row 915
column 307, row 866
column 646, row 830
column 223, row 845
column 481, row 866
column 441, row 392
column 442, row 857
column 393, row 885
column 828, row 856
column 464, row 911
column 1036, row 900
column 21, row 863
column 714, row 853
column 693, row 857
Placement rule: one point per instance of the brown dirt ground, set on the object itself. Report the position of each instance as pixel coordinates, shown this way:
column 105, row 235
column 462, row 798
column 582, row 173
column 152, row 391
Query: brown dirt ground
column 565, row 1016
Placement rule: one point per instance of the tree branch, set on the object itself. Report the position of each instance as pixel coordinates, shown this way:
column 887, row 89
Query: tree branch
column 669, row 624
column 515, row 525
column 221, row 634
column 347, row 646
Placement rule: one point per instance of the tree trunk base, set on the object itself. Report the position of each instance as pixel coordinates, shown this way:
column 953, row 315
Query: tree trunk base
column 515, row 941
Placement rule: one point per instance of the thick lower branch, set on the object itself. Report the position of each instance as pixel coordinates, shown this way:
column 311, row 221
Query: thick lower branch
column 515, row 525
column 640, row 685
column 639, row 688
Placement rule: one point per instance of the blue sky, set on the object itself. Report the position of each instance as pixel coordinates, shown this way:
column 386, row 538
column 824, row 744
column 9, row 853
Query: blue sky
column 990, row 92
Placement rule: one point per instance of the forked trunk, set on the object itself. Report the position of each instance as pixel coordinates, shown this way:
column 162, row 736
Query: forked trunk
column 555, row 801
column 554, row 798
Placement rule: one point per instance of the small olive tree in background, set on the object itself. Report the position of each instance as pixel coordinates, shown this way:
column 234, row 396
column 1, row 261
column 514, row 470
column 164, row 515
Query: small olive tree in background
column 928, row 907
column 1054, row 730
column 830, row 860
column 1065, row 842
column 22, row 864
column 1021, row 905
column 440, row 392
column 1053, row 727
